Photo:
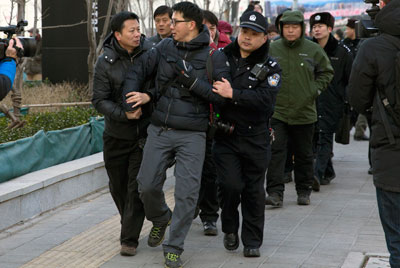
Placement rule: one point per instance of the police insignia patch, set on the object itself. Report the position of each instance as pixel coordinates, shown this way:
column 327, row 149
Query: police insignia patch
column 273, row 80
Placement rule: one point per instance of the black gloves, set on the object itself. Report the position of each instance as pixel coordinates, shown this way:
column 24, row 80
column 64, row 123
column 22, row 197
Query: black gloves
column 185, row 76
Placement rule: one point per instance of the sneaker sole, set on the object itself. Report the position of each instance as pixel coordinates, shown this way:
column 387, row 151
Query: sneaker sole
column 211, row 232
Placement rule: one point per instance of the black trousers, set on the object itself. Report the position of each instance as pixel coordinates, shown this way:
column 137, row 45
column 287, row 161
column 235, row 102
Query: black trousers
column 208, row 202
column 122, row 160
column 241, row 164
column 301, row 137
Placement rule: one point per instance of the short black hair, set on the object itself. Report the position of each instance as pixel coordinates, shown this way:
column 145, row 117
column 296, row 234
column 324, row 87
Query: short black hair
column 210, row 17
column 161, row 10
column 190, row 11
column 117, row 21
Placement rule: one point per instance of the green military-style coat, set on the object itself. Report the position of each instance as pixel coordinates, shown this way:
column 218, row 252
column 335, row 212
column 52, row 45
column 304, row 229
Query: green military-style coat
column 306, row 71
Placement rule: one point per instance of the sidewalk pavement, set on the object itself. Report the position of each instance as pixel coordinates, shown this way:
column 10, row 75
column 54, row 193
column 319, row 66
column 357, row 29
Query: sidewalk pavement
column 341, row 220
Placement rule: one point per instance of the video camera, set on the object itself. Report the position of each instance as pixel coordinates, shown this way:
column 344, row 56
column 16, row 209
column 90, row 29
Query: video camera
column 29, row 43
column 217, row 125
column 366, row 27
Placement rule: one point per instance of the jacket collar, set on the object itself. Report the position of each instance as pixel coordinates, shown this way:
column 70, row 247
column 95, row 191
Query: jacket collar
column 114, row 51
column 330, row 46
column 200, row 41
column 257, row 56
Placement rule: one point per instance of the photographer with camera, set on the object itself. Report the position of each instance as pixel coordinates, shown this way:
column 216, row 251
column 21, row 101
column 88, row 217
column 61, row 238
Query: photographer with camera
column 8, row 67
column 241, row 156
column 375, row 81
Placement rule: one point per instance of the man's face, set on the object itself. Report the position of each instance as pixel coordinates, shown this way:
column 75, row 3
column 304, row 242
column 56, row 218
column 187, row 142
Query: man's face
column 250, row 40
column 257, row 8
column 212, row 28
column 272, row 35
column 350, row 33
column 163, row 25
column 180, row 27
column 129, row 37
column 321, row 31
column 291, row 32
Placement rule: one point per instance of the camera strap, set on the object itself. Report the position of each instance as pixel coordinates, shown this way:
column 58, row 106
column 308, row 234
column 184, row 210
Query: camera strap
column 209, row 70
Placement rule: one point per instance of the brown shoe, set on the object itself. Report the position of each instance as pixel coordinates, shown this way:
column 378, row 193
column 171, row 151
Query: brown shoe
column 127, row 250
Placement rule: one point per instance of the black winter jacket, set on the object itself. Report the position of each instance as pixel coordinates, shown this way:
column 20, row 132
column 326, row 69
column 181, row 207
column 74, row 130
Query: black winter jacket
column 330, row 102
column 110, row 72
column 373, row 68
column 353, row 45
column 177, row 107
column 253, row 100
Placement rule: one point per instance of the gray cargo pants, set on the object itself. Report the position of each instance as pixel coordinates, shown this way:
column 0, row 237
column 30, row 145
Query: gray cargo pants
column 188, row 148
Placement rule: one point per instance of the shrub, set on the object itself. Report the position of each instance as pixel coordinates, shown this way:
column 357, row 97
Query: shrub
column 46, row 121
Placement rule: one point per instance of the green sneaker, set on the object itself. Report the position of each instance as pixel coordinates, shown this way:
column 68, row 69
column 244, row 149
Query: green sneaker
column 173, row 260
column 157, row 234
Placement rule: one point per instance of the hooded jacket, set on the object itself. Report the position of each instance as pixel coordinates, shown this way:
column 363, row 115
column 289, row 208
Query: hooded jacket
column 306, row 71
column 373, row 68
column 330, row 102
column 110, row 71
column 177, row 107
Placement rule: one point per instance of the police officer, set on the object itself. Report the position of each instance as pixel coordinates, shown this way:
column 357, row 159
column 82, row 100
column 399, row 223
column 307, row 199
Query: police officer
column 241, row 157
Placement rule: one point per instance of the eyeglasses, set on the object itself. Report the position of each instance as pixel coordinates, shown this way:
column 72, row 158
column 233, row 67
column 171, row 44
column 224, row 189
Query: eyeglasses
column 174, row 21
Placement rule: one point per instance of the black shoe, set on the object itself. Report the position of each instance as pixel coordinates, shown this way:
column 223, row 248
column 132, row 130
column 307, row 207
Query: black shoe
column 370, row 171
column 330, row 177
column 303, row 199
column 231, row 241
column 172, row 260
column 157, row 234
column 287, row 177
column 274, row 199
column 210, row 228
column 361, row 138
column 251, row 252
column 196, row 212
column 325, row 181
column 316, row 184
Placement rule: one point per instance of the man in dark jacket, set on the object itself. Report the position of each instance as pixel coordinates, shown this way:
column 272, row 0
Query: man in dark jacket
column 330, row 103
column 162, row 18
column 124, row 132
column 242, row 157
column 375, row 73
column 178, row 123
column 306, row 72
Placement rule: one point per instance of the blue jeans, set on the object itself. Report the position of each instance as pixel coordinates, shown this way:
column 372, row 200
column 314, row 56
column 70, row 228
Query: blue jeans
column 389, row 212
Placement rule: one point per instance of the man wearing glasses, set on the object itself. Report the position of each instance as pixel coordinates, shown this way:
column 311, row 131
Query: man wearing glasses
column 178, row 124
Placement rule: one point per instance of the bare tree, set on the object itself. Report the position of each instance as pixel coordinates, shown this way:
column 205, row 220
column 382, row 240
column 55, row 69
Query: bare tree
column 140, row 8
column 94, row 47
column 121, row 5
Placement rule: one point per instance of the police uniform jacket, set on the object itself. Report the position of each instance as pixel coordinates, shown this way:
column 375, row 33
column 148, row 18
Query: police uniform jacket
column 373, row 68
column 330, row 102
column 352, row 44
column 110, row 71
column 178, row 107
column 253, row 99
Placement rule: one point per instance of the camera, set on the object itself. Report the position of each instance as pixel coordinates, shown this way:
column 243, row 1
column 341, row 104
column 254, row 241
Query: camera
column 29, row 43
column 260, row 71
column 366, row 27
column 217, row 125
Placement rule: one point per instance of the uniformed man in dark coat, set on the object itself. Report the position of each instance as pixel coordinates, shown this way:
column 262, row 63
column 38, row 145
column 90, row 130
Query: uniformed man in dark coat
column 374, row 79
column 330, row 103
column 242, row 156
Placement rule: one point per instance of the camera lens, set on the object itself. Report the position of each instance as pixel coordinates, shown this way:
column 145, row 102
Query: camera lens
column 29, row 44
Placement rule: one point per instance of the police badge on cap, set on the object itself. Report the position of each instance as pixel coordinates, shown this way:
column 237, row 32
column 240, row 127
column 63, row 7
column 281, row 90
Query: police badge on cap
column 254, row 21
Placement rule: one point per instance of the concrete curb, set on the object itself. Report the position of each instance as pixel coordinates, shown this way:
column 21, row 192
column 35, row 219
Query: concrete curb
column 34, row 193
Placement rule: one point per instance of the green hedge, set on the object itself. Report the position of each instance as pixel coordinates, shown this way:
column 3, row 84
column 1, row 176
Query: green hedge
column 46, row 121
